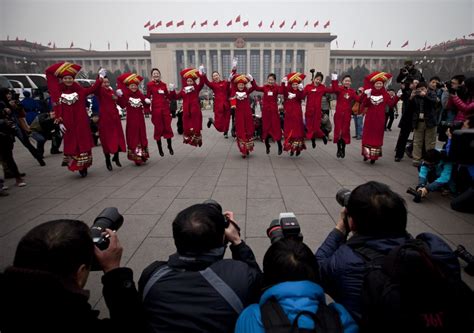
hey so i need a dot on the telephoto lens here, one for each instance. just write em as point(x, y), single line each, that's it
point(342, 196)
point(109, 218)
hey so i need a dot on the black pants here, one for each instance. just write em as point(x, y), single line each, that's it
point(6, 155)
point(463, 202)
point(402, 141)
point(25, 140)
point(389, 117)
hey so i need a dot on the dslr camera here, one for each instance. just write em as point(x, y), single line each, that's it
point(286, 226)
point(214, 204)
point(342, 198)
point(416, 194)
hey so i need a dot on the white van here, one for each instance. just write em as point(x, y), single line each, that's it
point(34, 83)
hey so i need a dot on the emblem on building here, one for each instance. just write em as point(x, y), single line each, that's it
point(239, 43)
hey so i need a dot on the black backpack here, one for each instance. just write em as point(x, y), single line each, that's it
point(408, 291)
point(326, 319)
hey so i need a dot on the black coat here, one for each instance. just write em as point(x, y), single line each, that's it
point(426, 105)
point(35, 301)
point(183, 301)
point(406, 120)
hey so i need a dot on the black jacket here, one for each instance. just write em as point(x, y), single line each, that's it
point(35, 301)
point(414, 73)
point(426, 105)
point(406, 120)
point(183, 301)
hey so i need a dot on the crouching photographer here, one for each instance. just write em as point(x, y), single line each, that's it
point(293, 300)
point(388, 280)
point(197, 290)
point(44, 289)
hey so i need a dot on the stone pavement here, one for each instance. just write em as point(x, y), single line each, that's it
point(256, 189)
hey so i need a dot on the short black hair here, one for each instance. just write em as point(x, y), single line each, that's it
point(215, 72)
point(289, 260)
point(155, 69)
point(198, 229)
point(272, 75)
point(59, 247)
point(470, 121)
point(432, 156)
point(469, 84)
point(460, 78)
point(320, 75)
point(422, 84)
point(377, 211)
point(347, 75)
point(435, 78)
point(391, 89)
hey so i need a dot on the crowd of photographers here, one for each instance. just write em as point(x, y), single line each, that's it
point(439, 111)
point(380, 278)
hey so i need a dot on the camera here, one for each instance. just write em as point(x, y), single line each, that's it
point(342, 198)
point(214, 204)
point(109, 218)
point(416, 194)
point(286, 226)
point(452, 125)
point(462, 253)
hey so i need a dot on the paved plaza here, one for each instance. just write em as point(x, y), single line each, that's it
point(256, 189)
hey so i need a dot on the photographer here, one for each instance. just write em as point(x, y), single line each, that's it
point(292, 297)
point(406, 120)
point(435, 172)
point(377, 218)
point(454, 87)
point(423, 103)
point(409, 70)
point(465, 107)
point(43, 290)
point(43, 128)
point(197, 290)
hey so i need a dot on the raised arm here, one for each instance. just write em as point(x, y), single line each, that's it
point(257, 87)
point(95, 87)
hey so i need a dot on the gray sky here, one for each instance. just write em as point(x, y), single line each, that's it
point(118, 21)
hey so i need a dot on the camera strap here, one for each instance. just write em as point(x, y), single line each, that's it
point(158, 274)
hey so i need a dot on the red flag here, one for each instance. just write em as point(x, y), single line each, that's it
point(271, 25)
point(151, 27)
point(169, 24)
point(49, 44)
point(316, 24)
point(293, 25)
point(216, 23)
point(180, 23)
point(158, 24)
point(260, 24)
point(193, 25)
point(282, 24)
point(246, 23)
point(72, 45)
point(353, 44)
point(306, 24)
point(389, 43)
point(405, 44)
point(237, 20)
point(147, 24)
point(204, 23)
point(471, 35)
point(327, 24)
point(229, 23)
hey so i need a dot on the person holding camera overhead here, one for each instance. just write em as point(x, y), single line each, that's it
point(197, 290)
point(69, 100)
point(43, 291)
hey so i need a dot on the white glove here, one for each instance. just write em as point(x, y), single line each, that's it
point(102, 73)
point(284, 81)
point(399, 93)
point(147, 101)
point(291, 95)
point(171, 87)
point(250, 77)
point(300, 86)
point(202, 69)
point(333, 76)
point(119, 92)
point(368, 92)
point(234, 63)
point(188, 89)
point(62, 128)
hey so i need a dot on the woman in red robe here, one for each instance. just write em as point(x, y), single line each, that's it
point(221, 90)
point(375, 99)
point(110, 125)
point(134, 102)
point(157, 91)
point(192, 115)
point(342, 118)
point(69, 102)
point(244, 125)
point(292, 90)
point(271, 127)
point(314, 93)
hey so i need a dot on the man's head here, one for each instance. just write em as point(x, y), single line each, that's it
point(60, 247)
point(289, 260)
point(432, 157)
point(434, 82)
point(198, 229)
point(391, 92)
point(457, 81)
point(375, 210)
point(347, 81)
point(422, 88)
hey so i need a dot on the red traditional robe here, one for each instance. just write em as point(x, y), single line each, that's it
point(192, 115)
point(110, 124)
point(137, 141)
point(70, 106)
point(374, 124)
point(342, 117)
point(314, 94)
point(221, 92)
point(160, 109)
point(244, 125)
point(293, 127)
point(270, 114)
